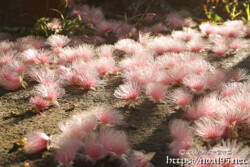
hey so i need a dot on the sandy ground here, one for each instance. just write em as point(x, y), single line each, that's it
point(146, 123)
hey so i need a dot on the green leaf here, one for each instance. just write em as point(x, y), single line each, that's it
point(217, 18)
point(248, 13)
point(227, 8)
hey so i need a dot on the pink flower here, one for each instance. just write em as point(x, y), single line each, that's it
point(229, 89)
point(58, 41)
point(187, 34)
point(237, 44)
point(200, 66)
point(36, 42)
point(6, 46)
point(9, 79)
point(168, 61)
point(39, 102)
point(114, 141)
point(79, 126)
point(215, 78)
point(180, 130)
point(86, 52)
point(220, 49)
point(207, 28)
point(233, 115)
point(105, 51)
point(55, 24)
point(195, 82)
point(43, 57)
point(238, 74)
point(205, 106)
point(180, 97)
point(160, 44)
point(105, 26)
point(17, 66)
point(156, 91)
point(30, 55)
point(104, 65)
point(44, 76)
point(234, 151)
point(179, 73)
point(139, 159)
point(208, 128)
point(109, 116)
point(128, 46)
point(164, 78)
point(35, 142)
point(140, 75)
point(129, 90)
point(175, 19)
point(144, 39)
point(94, 148)
point(50, 92)
point(67, 152)
point(196, 45)
point(7, 58)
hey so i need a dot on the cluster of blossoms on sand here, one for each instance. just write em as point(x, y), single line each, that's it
point(168, 68)
point(89, 136)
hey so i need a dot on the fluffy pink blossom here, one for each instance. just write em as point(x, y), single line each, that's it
point(35, 41)
point(196, 45)
point(44, 76)
point(114, 141)
point(208, 128)
point(6, 46)
point(108, 115)
point(43, 56)
point(187, 34)
point(238, 74)
point(206, 106)
point(200, 66)
point(67, 152)
point(233, 115)
point(220, 49)
point(156, 91)
point(207, 28)
point(50, 92)
point(94, 148)
point(163, 77)
point(9, 79)
point(176, 46)
point(160, 44)
point(141, 75)
point(130, 63)
point(105, 51)
point(30, 55)
point(17, 66)
point(35, 142)
point(55, 24)
point(180, 130)
point(86, 52)
point(6, 58)
point(236, 44)
point(179, 73)
point(128, 46)
point(67, 55)
point(195, 82)
point(229, 89)
point(175, 19)
point(129, 91)
point(168, 61)
point(104, 65)
point(180, 97)
point(144, 39)
point(58, 41)
point(139, 159)
point(39, 102)
point(215, 78)
point(233, 151)
point(105, 26)
point(241, 101)
point(79, 126)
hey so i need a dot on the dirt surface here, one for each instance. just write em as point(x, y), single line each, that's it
point(146, 122)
